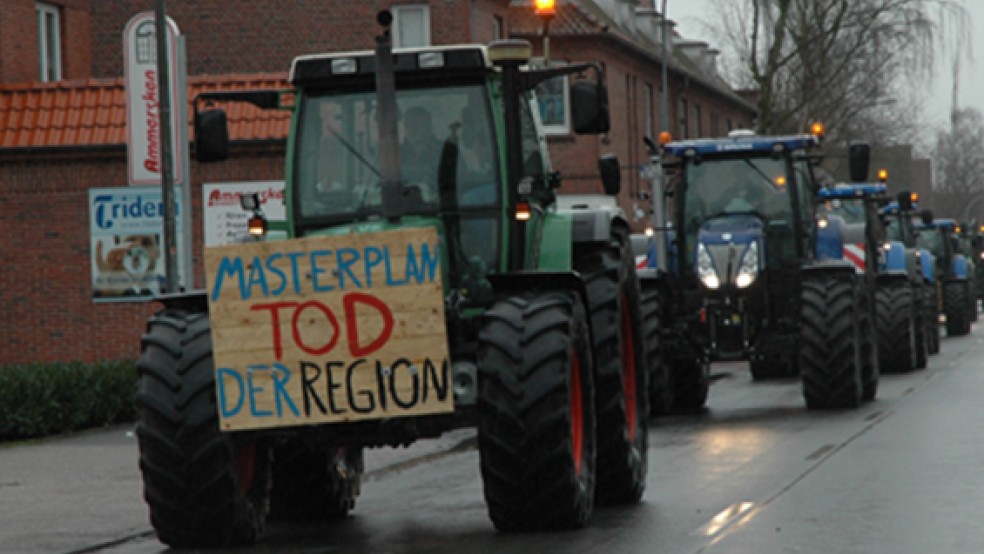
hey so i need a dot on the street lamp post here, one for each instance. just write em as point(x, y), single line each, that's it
point(664, 109)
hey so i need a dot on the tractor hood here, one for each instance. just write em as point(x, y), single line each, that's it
point(730, 229)
point(730, 252)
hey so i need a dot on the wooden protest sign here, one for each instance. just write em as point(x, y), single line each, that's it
point(329, 329)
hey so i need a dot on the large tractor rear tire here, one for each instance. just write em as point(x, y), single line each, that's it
point(896, 327)
point(660, 384)
point(313, 484)
point(536, 424)
point(204, 487)
point(829, 357)
point(621, 375)
point(955, 308)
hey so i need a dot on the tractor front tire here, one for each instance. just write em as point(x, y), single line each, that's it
point(536, 423)
point(314, 484)
point(829, 357)
point(955, 308)
point(660, 384)
point(204, 488)
point(896, 327)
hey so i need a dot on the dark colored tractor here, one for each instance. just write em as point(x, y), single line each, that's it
point(737, 262)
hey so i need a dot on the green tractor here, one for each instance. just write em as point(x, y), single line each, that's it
point(418, 288)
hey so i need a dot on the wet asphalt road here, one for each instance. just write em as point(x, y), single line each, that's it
point(756, 473)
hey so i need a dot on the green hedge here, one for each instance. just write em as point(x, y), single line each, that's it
point(47, 399)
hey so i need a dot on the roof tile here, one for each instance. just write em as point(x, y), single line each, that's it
point(93, 111)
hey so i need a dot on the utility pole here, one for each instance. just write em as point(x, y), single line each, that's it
point(664, 108)
point(167, 156)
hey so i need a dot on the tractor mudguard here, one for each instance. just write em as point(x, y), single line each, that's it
point(830, 239)
point(958, 267)
point(895, 258)
point(195, 301)
point(927, 264)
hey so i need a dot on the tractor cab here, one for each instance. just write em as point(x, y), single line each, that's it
point(731, 195)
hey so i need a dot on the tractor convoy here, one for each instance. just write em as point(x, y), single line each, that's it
point(429, 277)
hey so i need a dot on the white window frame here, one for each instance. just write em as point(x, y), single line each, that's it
point(399, 13)
point(47, 73)
point(549, 126)
point(648, 110)
point(498, 27)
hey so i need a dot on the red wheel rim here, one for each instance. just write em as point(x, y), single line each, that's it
point(628, 369)
point(246, 465)
point(577, 414)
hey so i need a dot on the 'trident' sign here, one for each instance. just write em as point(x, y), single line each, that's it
point(329, 329)
point(142, 101)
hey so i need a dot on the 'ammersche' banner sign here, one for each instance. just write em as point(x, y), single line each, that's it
point(328, 329)
point(143, 123)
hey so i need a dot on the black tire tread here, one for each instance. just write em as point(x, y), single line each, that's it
point(829, 351)
point(190, 480)
point(524, 433)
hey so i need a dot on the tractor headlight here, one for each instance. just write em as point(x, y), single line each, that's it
point(705, 268)
point(748, 270)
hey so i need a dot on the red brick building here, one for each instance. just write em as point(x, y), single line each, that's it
point(62, 123)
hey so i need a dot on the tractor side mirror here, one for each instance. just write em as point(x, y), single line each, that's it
point(926, 216)
point(905, 201)
point(589, 108)
point(211, 136)
point(611, 175)
point(859, 156)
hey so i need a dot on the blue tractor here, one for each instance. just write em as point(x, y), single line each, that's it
point(891, 275)
point(954, 286)
point(897, 217)
point(736, 267)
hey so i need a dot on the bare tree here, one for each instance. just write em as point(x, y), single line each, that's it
point(850, 63)
point(958, 166)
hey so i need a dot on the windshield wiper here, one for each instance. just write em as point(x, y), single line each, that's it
point(353, 150)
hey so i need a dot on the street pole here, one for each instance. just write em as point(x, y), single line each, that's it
point(167, 169)
point(664, 109)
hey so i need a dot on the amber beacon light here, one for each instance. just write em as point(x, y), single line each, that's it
point(546, 8)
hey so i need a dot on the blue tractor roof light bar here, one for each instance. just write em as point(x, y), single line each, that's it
point(857, 190)
point(741, 144)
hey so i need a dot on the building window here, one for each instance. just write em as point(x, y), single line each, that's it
point(647, 108)
point(498, 27)
point(411, 26)
point(682, 114)
point(49, 42)
point(551, 95)
point(698, 131)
